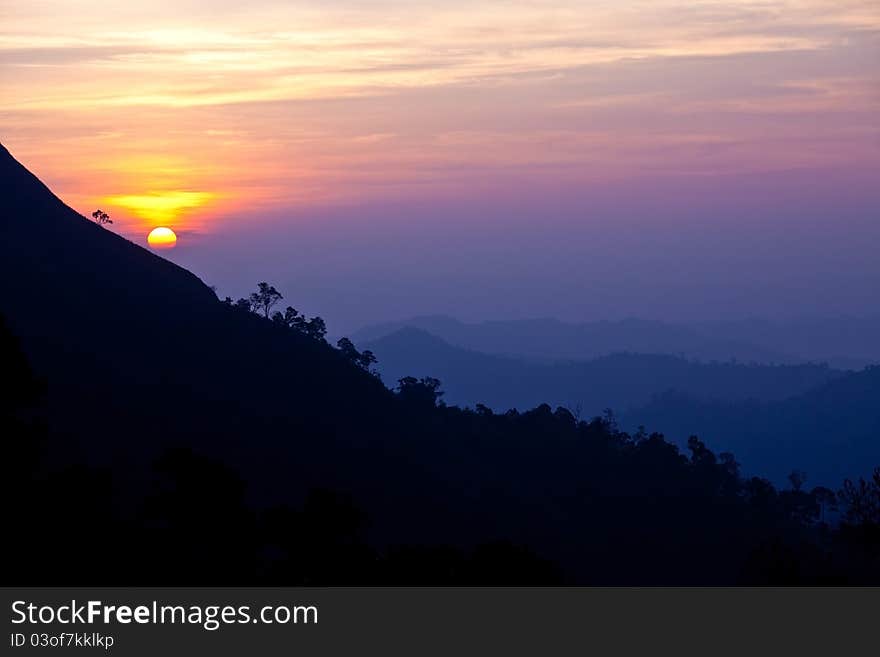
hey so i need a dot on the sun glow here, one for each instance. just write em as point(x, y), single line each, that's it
point(280, 106)
point(162, 238)
point(160, 206)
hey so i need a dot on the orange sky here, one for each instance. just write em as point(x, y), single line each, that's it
point(189, 114)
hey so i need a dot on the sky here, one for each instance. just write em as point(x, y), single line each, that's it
point(375, 160)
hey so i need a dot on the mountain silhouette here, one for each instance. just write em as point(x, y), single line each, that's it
point(618, 381)
point(842, 342)
point(155, 435)
point(140, 356)
point(831, 432)
point(551, 339)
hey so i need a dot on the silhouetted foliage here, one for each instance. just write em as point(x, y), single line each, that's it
point(316, 328)
point(861, 500)
point(365, 360)
point(797, 478)
point(420, 392)
point(264, 299)
point(826, 499)
point(101, 218)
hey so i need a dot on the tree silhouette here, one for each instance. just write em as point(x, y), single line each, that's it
point(826, 499)
point(862, 500)
point(368, 358)
point(265, 298)
point(423, 392)
point(101, 218)
point(797, 478)
point(316, 328)
point(363, 359)
point(290, 318)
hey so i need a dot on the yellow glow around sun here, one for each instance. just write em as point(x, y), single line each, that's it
point(162, 238)
point(160, 206)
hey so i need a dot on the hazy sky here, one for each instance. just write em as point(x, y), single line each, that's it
point(659, 158)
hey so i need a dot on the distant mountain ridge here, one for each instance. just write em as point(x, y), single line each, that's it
point(759, 341)
point(844, 342)
point(618, 381)
point(551, 339)
point(775, 419)
point(830, 432)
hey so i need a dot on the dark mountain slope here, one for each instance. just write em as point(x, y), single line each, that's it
point(830, 433)
point(140, 355)
point(617, 381)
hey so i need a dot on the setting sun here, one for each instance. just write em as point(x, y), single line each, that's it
point(162, 238)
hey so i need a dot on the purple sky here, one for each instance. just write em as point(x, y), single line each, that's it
point(676, 248)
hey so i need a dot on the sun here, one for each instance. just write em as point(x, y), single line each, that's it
point(162, 238)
